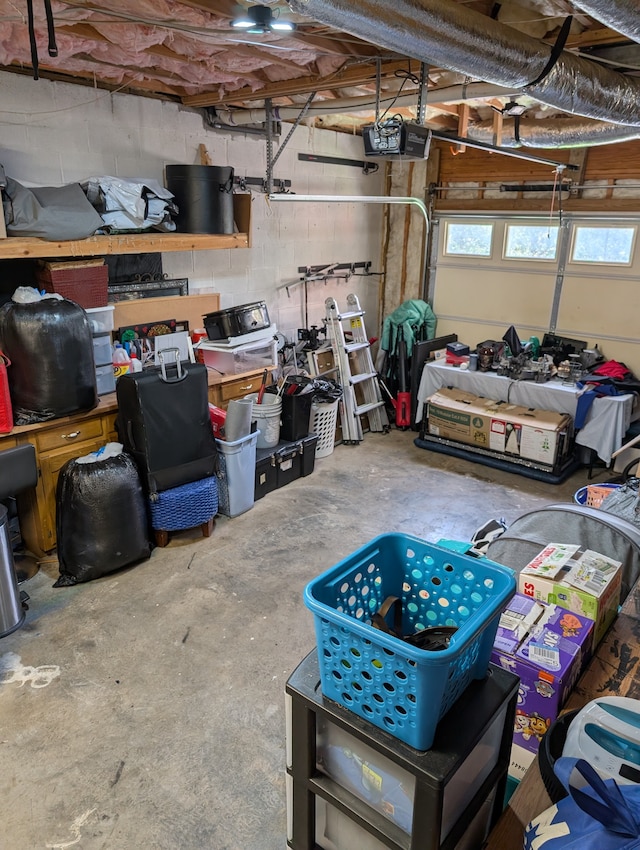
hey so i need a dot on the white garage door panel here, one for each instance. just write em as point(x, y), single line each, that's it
point(600, 307)
point(494, 297)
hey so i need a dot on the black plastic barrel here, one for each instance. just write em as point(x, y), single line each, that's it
point(204, 196)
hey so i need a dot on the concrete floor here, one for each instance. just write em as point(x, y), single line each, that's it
point(146, 709)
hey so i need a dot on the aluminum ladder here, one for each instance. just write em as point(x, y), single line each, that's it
point(356, 372)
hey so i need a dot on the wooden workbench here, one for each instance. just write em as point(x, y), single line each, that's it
point(613, 671)
point(58, 440)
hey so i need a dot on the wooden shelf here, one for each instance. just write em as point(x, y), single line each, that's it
point(20, 248)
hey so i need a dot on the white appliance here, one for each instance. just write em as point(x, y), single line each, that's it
point(606, 732)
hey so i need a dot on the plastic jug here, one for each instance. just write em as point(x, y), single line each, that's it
point(121, 361)
point(135, 365)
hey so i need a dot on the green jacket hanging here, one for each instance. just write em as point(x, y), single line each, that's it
point(417, 320)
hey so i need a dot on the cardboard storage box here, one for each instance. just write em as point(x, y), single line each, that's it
point(547, 647)
point(511, 430)
point(579, 585)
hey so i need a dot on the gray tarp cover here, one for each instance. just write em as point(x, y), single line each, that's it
point(588, 527)
point(49, 212)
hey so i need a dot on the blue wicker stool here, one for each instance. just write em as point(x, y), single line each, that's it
point(187, 506)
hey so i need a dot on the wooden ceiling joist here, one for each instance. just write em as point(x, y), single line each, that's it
point(352, 76)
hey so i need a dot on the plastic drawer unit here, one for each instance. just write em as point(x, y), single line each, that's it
point(350, 784)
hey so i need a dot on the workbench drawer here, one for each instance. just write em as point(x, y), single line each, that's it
point(65, 435)
point(240, 388)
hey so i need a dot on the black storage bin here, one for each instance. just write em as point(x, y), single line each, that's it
point(204, 195)
point(282, 464)
point(266, 473)
point(296, 411)
point(237, 321)
point(309, 444)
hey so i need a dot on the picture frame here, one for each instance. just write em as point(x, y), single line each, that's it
point(147, 289)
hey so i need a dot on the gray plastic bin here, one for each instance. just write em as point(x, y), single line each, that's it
point(236, 476)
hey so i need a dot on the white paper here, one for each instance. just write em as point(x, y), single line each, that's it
point(549, 562)
point(592, 572)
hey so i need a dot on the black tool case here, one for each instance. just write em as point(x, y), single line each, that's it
point(283, 463)
point(163, 422)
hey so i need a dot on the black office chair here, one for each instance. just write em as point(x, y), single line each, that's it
point(18, 472)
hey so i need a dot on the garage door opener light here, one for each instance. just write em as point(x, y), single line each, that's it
point(259, 20)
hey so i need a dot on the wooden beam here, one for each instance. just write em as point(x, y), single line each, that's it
point(579, 157)
point(352, 76)
point(463, 125)
point(595, 37)
point(535, 205)
point(155, 89)
point(18, 247)
point(335, 46)
point(497, 128)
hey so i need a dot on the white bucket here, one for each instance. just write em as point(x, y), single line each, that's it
point(267, 415)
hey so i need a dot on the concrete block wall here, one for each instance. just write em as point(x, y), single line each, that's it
point(57, 133)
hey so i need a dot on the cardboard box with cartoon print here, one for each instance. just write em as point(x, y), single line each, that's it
point(586, 583)
point(547, 647)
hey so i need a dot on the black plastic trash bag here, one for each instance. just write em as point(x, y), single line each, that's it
point(51, 351)
point(325, 390)
point(101, 517)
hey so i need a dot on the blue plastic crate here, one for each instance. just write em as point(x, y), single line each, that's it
point(186, 506)
point(392, 684)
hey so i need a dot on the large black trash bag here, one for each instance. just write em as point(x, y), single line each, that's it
point(51, 351)
point(101, 519)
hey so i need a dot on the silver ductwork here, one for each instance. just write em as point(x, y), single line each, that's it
point(553, 133)
point(619, 15)
point(452, 36)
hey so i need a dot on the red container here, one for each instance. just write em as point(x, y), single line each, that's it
point(218, 417)
point(6, 411)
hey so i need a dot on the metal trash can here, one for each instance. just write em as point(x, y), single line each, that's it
point(12, 610)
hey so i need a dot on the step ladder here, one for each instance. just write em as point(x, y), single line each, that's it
point(355, 370)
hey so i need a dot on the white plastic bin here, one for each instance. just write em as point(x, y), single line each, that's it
point(101, 318)
point(236, 478)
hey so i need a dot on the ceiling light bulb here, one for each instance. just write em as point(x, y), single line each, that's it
point(260, 20)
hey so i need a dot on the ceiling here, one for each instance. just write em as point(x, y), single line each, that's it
point(187, 51)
